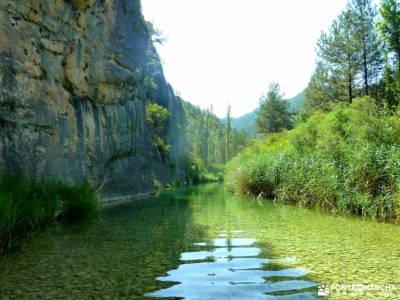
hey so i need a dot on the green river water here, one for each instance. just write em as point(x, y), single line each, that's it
point(203, 243)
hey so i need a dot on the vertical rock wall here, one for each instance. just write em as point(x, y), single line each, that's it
point(73, 84)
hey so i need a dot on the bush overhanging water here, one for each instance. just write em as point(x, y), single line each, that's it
point(344, 160)
point(27, 205)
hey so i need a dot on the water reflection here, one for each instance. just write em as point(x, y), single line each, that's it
point(231, 267)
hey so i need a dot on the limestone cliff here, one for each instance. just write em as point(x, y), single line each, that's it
point(74, 78)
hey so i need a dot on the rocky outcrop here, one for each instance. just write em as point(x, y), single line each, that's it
point(74, 79)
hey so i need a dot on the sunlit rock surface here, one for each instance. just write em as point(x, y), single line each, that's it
point(74, 78)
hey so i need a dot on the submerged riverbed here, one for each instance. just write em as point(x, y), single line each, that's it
point(203, 243)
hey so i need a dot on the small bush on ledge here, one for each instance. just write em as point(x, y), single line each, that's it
point(82, 4)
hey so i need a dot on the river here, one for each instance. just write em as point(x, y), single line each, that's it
point(203, 243)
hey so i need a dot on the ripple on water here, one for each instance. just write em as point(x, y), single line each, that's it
point(231, 267)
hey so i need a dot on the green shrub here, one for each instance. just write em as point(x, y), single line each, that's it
point(28, 205)
point(345, 160)
point(78, 202)
point(82, 4)
point(365, 169)
point(309, 181)
point(157, 118)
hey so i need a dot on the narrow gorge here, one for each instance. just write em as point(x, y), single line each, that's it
point(75, 77)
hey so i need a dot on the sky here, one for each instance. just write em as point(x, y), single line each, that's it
point(220, 52)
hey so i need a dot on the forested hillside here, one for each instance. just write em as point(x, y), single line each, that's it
point(296, 103)
point(247, 122)
point(210, 143)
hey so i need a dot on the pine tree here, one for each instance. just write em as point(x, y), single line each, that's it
point(228, 129)
point(391, 88)
point(273, 114)
point(323, 89)
point(340, 51)
point(364, 21)
point(389, 27)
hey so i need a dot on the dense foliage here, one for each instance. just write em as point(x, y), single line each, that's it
point(344, 152)
point(157, 118)
point(358, 56)
point(27, 205)
point(209, 143)
point(389, 26)
point(344, 160)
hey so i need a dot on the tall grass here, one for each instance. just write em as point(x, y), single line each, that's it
point(345, 160)
point(27, 205)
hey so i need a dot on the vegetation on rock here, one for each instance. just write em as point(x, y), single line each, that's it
point(82, 4)
point(157, 117)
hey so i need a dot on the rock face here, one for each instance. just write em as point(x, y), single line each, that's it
point(74, 79)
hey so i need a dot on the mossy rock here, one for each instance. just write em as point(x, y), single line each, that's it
point(82, 4)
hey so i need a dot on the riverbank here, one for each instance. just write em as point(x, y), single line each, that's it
point(29, 205)
point(110, 201)
point(123, 252)
point(346, 160)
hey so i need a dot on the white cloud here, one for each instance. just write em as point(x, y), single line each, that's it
point(221, 51)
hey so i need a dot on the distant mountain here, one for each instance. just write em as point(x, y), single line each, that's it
point(297, 101)
point(247, 122)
